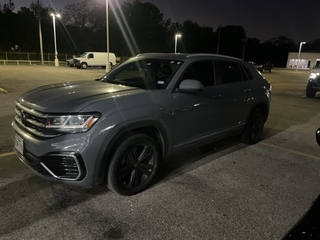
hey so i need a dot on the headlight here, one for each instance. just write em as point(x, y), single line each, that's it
point(71, 123)
point(314, 75)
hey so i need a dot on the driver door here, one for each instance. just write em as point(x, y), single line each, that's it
point(196, 116)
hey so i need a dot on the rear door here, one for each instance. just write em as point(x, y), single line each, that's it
point(236, 92)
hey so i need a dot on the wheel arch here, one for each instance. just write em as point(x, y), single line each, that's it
point(151, 128)
point(263, 107)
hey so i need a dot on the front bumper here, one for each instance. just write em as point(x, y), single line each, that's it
point(60, 166)
point(76, 63)
point(71, 158)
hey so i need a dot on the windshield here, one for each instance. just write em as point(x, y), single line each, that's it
point(146, 73)
point(83, 55)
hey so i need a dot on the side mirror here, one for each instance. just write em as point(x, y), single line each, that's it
point(318, 136)
point(190, 85)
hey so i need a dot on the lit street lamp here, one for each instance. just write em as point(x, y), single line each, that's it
point(175, 42)
point(56, 61)
point(301, 43)
point(107, 31)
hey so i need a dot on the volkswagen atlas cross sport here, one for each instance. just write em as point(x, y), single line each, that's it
point(115, 130)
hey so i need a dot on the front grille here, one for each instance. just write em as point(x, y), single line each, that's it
point(33, 122)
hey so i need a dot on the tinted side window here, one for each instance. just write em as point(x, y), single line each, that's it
point(201, 71)
point(227, 72)
point(247, 75)
point(90, 55)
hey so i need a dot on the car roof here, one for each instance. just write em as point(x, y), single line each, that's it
point(185, 56)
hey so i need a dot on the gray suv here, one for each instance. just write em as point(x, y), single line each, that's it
point(115, 130)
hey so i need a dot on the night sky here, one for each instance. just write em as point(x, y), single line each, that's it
point(262, 19)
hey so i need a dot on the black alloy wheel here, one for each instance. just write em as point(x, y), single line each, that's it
point(133, 165)
point(254, 127)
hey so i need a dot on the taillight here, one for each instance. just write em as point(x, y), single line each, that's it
point(269, 86)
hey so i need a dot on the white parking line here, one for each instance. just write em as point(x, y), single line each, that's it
point(290, 150)
point(3, 90)
point(7, 154)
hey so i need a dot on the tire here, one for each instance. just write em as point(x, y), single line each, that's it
point(310, 92)
point(270, 70)
point(84, 65)
point(133, 165)
point(254, 127)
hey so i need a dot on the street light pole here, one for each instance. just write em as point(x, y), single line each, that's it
point(56, 61)
point(301, 43)
point(219, 36)
point(244, 40)
point(176, 42)
point(107, 32)
point(40, 33)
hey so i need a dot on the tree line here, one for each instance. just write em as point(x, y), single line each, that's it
point(134, 27)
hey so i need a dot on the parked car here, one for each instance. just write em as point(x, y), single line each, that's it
point(94, 59)
point(263, 65)
point(70, 62)
point(313, 85)
point(308, 226)
point(118, 128)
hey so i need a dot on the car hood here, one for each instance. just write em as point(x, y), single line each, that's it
point(72, 96)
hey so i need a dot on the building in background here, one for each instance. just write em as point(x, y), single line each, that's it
point(306, 61)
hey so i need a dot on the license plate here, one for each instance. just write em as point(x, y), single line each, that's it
point(18, 144)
